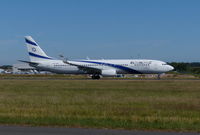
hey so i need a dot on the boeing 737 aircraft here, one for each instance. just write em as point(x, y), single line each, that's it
point(96, 68)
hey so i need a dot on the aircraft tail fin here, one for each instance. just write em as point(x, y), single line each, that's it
point(34, 50)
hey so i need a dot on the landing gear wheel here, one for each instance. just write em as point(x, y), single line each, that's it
point(159, 76)
point(95, 76)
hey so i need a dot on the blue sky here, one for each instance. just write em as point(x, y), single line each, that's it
point(167, 30)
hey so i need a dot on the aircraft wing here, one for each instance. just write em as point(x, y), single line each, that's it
point(84, 68)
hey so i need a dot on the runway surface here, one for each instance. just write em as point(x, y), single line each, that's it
point(18, 130)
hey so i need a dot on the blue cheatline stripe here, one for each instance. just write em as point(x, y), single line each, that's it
point(129, 70)
point(30, 42)
point(38, 56)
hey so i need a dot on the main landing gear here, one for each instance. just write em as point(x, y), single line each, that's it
point(96, 76)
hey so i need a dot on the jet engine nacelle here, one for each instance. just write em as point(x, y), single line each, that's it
point(108, 72)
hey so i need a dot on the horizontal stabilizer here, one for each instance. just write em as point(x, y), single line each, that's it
point(30, 63)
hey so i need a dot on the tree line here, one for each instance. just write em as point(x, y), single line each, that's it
point(183, 67)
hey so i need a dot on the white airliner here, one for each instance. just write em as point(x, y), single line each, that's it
point(96, 68)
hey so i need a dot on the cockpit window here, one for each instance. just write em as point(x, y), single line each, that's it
point(164, 64)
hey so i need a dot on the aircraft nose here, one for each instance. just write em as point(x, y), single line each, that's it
point(170, 68)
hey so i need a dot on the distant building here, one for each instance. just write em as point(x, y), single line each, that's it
point(2, 71)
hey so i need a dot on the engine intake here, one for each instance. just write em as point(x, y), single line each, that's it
point(108, 72)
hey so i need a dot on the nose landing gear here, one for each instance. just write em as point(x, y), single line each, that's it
point(159, 76)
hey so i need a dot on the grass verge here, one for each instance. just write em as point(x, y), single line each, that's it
point(125, 104)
